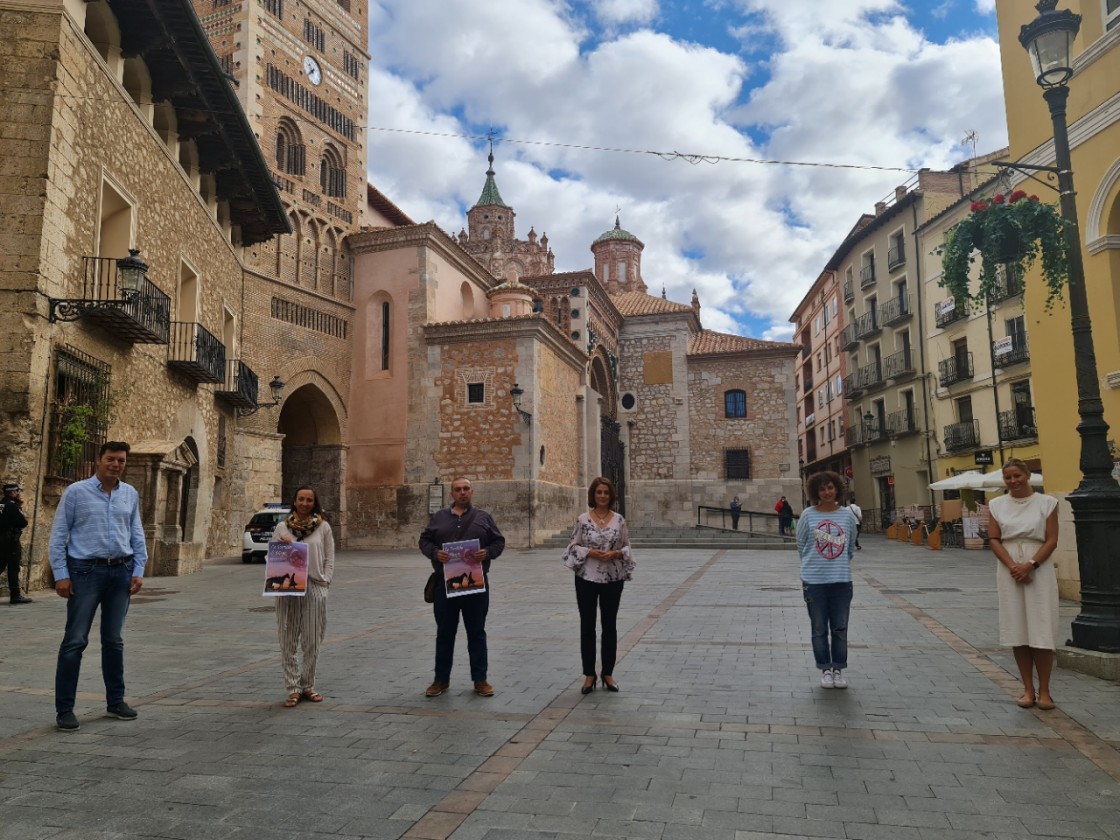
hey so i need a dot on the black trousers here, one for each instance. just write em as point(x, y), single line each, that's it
point(604, 598)
point(10, 555)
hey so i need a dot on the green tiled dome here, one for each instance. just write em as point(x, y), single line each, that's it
point(617, 233)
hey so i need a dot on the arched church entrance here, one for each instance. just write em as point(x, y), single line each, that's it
point(612, 451)
point(312, 450)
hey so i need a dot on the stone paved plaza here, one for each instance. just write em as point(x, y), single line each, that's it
point(721, 731)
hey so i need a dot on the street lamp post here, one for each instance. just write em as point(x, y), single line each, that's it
point(1096, 501)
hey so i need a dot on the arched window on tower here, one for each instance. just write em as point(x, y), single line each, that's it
point(291, 154)
point(332, 173)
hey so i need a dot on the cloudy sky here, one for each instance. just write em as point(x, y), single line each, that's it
point(864, 89)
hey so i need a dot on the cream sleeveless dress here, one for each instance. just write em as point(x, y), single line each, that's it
point(1028, 613)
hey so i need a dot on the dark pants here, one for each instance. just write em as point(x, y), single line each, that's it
point(93, 585)
point(473, 608)
point(735, 519)
point(607, 597)
point(829, 605)
point(785, 525)
point(11, 553)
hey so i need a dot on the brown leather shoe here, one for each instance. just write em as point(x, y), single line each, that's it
point(483, 688)
point(436, 689)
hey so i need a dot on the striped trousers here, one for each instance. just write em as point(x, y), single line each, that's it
point(302, 623)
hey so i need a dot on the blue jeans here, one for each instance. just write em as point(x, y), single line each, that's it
point(93, 585)
point(473, 608)
point(829, 605)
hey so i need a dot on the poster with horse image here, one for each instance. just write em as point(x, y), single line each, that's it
point(462, 574)
point(285, 569)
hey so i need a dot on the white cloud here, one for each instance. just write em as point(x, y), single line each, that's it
point(616, 12)
point(848, 81)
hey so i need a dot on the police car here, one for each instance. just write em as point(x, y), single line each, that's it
point(258, 532)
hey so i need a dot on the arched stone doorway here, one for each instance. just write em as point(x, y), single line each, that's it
point(188, 497)
point(312, 450)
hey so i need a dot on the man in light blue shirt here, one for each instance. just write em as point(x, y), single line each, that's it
point(97, 554)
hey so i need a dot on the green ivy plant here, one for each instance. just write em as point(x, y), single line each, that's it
point(1016, 230)
point(74, 434)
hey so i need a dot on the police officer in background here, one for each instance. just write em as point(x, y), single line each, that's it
point(12, 523)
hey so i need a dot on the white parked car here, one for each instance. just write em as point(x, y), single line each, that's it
point(258, 532)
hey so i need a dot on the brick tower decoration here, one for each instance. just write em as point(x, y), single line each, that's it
point(618, 260)
point(492, 238)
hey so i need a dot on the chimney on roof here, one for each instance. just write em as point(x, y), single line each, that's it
point(900, 193)
point(880, 207)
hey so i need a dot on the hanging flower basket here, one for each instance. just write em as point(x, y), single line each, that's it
point(1013, 231)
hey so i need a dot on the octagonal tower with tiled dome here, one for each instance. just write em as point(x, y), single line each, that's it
point(618, 260)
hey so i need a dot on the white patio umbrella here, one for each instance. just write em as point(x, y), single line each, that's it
point(994, 480)
point(970, 480)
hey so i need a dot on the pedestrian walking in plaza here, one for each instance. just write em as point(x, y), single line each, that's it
point(858, 511)
point(736, 509)
point(825, 540)
point(785, 517)
point(302, 621)
point(599, 553)
point(459, 523)
point(97, 554)
point(1023, 533)
point(12, 523)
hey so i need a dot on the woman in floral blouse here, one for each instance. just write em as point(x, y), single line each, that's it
point(599, 554)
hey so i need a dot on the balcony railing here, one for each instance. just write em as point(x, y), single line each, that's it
point(899, 365)
point(874, 431)
point(808, 386)
point(240, 386)
point(854, 436)
point(862, 327)
point(867, 275)
point(196, 353)
point(947, 311)
point(1011, 352)
point(142, 317)
point(871, 375)
point(849, 291)
point(1007, 285)
point(895, 311)
point(896, 256)
point(955, 369)
point(1018, 424)
point(964, 435)
point(849, 340)
point(901, 423)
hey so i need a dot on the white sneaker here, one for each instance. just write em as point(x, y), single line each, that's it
point(838, 679)
point(827, 680)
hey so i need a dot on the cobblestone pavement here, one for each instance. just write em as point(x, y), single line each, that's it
point(720, 732)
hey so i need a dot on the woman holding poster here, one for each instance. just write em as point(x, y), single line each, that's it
point(599, 554)
point(302, 621)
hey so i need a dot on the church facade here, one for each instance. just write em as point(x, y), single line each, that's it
point(472, 356)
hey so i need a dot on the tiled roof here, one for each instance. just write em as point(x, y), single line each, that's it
point(490, 196)
point(639, 303)
point(707, 342)
point(617, 233)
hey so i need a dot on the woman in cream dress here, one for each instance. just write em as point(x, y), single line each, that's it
point(1022, 534)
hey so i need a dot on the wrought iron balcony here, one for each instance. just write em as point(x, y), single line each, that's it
point(1011, 352)
point(867, 275)
point(142, 316)
point(864, 326)
point(196, 353)
point(895, 311)
point(854, 436)
point(901, 423)
point(240, 386)
point(899, 365)
point(871, 376)
point(848, 339)
point(875, 431)
point(1008, 284)
point(849, 291)
point(1018, 424)
point(853, 385)
point(947, 311)
point(963, 435)
point(896, 256)
point(955, 369)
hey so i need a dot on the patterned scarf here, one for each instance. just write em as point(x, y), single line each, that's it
point(302, 528)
